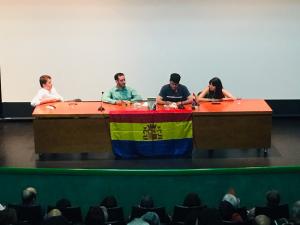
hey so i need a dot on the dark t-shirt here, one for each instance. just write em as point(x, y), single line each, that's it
point(168, 94)
point(212, 94)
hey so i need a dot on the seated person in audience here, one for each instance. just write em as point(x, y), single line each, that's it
point(295, 213)
point(149, 218)
point(7, 215)
point(213, 91)
point(147, 202)
point(29, 196)
point(152, 218)
point(272, 201)
point(174, 92)
point(96, 216)
point(54, 217)
point(273, 198)
point(229, 207)
point(191, 200)
point(47, 93)
point(109, 202)
point(121, 93)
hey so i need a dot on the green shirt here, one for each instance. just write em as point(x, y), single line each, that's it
point(126, 93)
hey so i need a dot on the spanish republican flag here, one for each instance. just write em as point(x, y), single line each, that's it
point(151, 133)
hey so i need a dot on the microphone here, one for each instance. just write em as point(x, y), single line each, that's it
point(194, 103)
point(100, 107)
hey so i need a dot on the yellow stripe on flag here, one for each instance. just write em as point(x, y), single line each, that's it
point(151, 131)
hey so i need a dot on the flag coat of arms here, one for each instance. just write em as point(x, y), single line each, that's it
point(151, 133)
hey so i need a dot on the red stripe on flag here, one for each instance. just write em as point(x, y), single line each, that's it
point(150, 116)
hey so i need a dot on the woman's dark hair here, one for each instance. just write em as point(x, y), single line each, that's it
point(192, 199)
point(219, 87)
point(109, 202)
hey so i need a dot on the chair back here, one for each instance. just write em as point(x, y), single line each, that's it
point(31, 214)
point(274, 213)
point(72, 214)
point(115, 214)
point(180, 212)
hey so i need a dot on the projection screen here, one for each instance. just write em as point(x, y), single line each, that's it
point(252, 45)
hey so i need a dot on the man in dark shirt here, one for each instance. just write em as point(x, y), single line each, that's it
point(174, 92)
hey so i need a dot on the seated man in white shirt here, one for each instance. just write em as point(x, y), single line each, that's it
point(47, 93)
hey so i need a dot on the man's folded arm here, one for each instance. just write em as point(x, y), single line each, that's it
point(107, 97)
point(135, 96)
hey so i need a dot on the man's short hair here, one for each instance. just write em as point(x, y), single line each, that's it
point(117, 75)
point(175, 77)
point(44, 79)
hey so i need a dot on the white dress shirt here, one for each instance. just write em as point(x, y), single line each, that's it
point(45, 94)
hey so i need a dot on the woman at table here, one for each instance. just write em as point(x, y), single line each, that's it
point(214, 91)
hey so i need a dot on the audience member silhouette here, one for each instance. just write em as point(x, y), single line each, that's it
point(29, 196)
point(191, 200)
point(54, 217)
point(229, 207)
point(273, 198)
point(109, 202)
point(295, 213)
point(147, 202)
point(96, 216)
point(152, 218)
point(7, 215)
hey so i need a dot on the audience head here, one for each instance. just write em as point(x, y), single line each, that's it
point(63, 203)
point(109, 202)
point(295, 213)
point(230, 198)
point(273, 198)
point(54, 217)
point(54, 213)
point(96, 216)
point(29, 196)
point(138, 221)
point(192, 199)
point(147, 202)
point(262, 220)
point(226, 210)
point(152, 218)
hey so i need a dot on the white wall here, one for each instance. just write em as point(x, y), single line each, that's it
point(252, 45)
